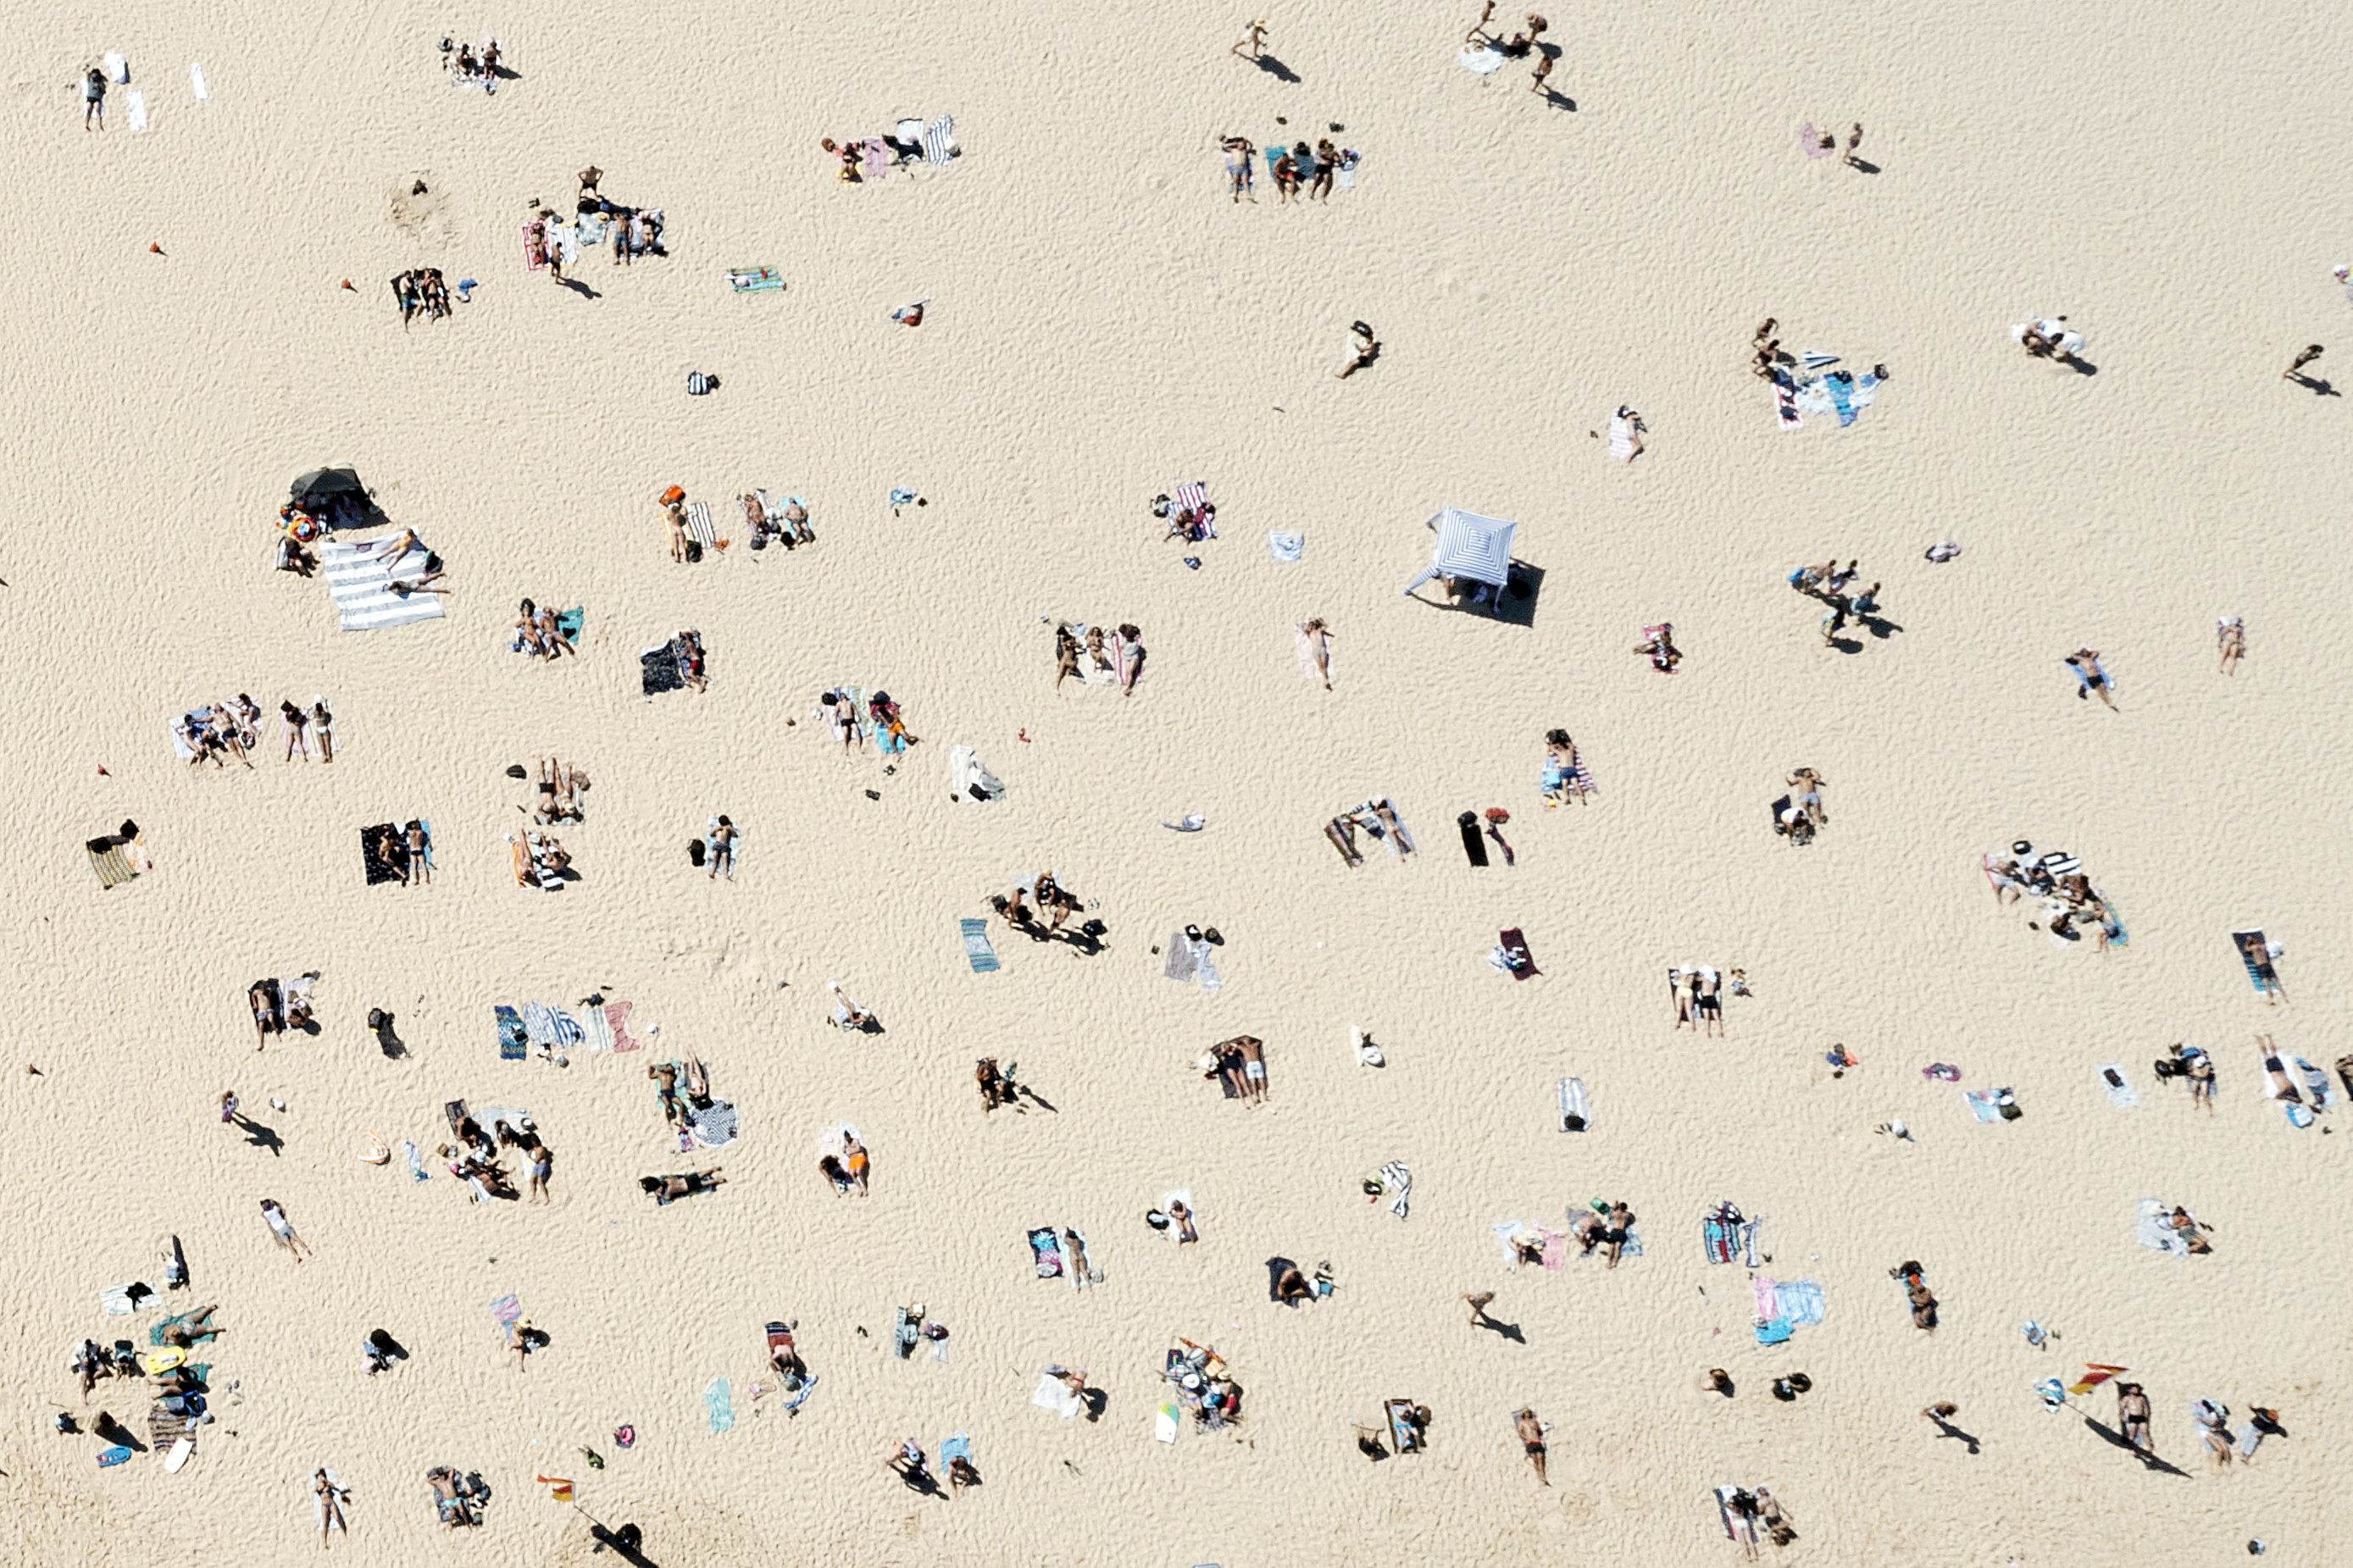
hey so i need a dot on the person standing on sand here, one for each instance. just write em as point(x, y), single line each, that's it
point(93, 99)
point(1853, 141)
point(1531, 1434)
point(2201, 1081)
point(1942, 1413)
point(1477, 36)
point(1479, 1304)
point(1544, 69)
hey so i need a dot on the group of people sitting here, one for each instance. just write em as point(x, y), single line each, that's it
point(560, 784)
point(1602, 1226)
point(2047, 337)
point(233, 729)
point(847, 1169)
point(421, 289)
point(1199, 1378)
point(787, 525)
point(474, 1157)
point(2070, 906)
point(470, 68)
point(544, 634)
point(401, 852)
point(1120, 658)
point(1051, 899)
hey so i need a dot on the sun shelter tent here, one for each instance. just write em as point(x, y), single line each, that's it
point(1470, 548)
point(334, 496)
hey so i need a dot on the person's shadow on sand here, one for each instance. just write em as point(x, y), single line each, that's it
point(259, 1136)
point(2149, 1461)
point(1277, 70)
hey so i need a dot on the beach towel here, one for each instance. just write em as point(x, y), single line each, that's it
point(1074, 1245)
point(514, 1042)
point(609, 1029)
point(1521, 961)
point(878, 158)
point(1207, 967)
point(698, 524)
point(939, 140)
point(755, 279)
point(1574, 1114)
point(718, 1405)
point(1621, 439)
point(1285, 546)
point(417, 1171)
point(2120, 1090)
point(507, 1311)
point(112, 867)
point(657, 669)
point(1397, 1184)
point(1053, 1394)
point(956, 1447)
point(713, 1125)
point(1046, 1252)
point(1983, 1103)
point(1556, 783)
point(1349, 159)
point(1179, 963)
point(2258, 970)
point(969, 780)
point(119, 1300)
point(539, 1025)
point(1794, 1302)
point(1482, 60)
point(196, 80)
point(1785, 402)
point(360, 582)
point(134, 105)
point(976, 948)
point(535, 247)
point(2153, 1228)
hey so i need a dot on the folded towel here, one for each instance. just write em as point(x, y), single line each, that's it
point(197, 80)
point(1285, 546)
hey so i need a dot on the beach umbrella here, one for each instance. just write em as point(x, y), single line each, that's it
point(1468, 546)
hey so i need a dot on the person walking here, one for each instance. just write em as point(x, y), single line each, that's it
point(1853, 141)
point(2294, 371)
point(1253, 43)
point(1479, 1305)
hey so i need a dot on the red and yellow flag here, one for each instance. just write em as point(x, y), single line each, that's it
point(2095, 1373)
point(560, 1488)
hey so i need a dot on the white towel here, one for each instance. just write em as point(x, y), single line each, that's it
point(939, 140)
point(117, 69)
point(1350, 158)
point(196, 79)
point(1284, 546)
point(361, 587)
point(1056, 1395)
point(1397, 1182)
point(134, 106)
point(1621, 439)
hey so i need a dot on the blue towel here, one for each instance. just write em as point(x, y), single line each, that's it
point(956, 1447)
point(1776, 1331)
point(513, 1045)
point(977, 947)
point(722, 1408)
point(1837, 387)
point(1800, 1300)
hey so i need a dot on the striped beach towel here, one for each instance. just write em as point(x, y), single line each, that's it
point(1192, 498)
point(977, 946)
point(698, 524)
point(113, 867)
point(939, 140)
point(362, 586)
point(608, 1028)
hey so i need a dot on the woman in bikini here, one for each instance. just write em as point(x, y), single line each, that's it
point(854, 1162)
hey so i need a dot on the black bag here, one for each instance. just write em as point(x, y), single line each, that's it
point(693, 550)
point(694, 852)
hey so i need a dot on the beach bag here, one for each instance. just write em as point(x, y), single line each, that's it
point(672, 496)
point(694, 851)
point(697, 384)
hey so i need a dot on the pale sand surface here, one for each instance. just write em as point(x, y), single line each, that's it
point(1103, 325)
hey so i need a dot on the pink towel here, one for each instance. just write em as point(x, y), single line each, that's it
point(878, 158)
point(616, 1018)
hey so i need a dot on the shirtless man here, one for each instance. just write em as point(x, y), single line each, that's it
point(2089, 675)
point(1531, 1433)
point(673, 1104)
point(995, 1088)
point(416, 870)
point(1477, 36)
point(1809, 784)
point(2132, 1414)
point(674, 522)
point(1621, 1220)
point(1183, 1216)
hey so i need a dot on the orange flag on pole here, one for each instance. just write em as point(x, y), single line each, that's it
point(2095, 1373)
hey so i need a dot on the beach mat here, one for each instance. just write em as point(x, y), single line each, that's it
point(719, 1404)
point(977, 946)
point(361, 585)
point(1515, 946)
point(657, 670)
point(2121, 1094)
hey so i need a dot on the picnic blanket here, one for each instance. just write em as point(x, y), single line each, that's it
point(361, 585)
point(659, 670)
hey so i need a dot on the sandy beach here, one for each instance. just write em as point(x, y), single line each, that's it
point(1103, 325)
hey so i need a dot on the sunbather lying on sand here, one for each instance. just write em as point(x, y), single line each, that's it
point(275, 1216)
point(669, 1189)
